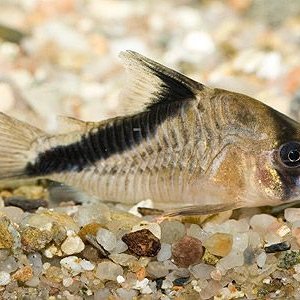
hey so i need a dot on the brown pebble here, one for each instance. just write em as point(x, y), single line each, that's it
point(6, 238)
point(187, 251)
point(23, 274)
point(34, 239)
point(90, 253)
point(142, 243)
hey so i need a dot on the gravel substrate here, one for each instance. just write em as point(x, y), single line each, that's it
point(105, 251)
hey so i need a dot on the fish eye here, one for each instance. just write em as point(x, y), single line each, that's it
point(289, 154)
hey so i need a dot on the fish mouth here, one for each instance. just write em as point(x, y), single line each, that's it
point(291, 186)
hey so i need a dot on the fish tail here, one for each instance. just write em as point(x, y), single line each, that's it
point(16, 147)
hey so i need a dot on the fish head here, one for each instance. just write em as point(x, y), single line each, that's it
point(277, 164)
point(265, 151)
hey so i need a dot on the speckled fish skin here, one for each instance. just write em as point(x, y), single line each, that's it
point(181, 144)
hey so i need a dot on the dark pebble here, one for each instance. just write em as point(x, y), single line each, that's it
point(159, 283)
point(29, 205)
point(181, 281)
point(142, 243)
point(284, 246)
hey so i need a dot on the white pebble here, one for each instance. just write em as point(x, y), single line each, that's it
point(165, 252)
point(167, 284)
point(283, 230)
point(87, 265)
point(240, 241)
point(292, 214)
point(4, 278)
point(67, 281)
point(72, 263)
point(146, 290)
point(120, 247)
point(106, 239)
point(72, 244)
point(261, 259)
point(120, 279)
point(261, 222)
point(140, 284)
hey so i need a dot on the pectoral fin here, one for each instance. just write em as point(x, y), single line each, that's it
point(201, 210)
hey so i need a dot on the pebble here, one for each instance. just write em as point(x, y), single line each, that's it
point(9, 265)
point(35, 260)
point(87, 265)
point(23, 274)
point(261, 259)
point(202, 271)
point(106, 239)
point(120, 247)
point(165, 252)
point(171, 231)
point(284, 246)
point(142, 243)
point(89, 229)
point(197, 232)
point(92, 213)
point(219, 244)
point(72, 244)
point(4, 278)
point(108, 270)
point(67, 281)
point(157, 269)
point(260, 223)
point(123, 259)
point(292, 214)
point(289, 259)
point(187, 251)
point(126, 294)
point(234, 259)
point(34, 239)
point(72, 263)
point(14, 214)
point(6, 238)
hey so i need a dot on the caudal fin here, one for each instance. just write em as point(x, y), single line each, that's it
point(16, 140)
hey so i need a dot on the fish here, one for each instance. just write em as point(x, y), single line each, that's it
point(185, 145)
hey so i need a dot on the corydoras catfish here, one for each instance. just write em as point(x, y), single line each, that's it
point(181, 144)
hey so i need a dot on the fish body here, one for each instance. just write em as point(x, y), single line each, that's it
point(180, 144)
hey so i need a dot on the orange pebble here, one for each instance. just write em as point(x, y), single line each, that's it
point(141, 273)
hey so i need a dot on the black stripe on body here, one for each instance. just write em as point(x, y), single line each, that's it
point(116, 137)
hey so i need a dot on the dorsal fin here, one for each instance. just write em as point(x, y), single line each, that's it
point(150, 83)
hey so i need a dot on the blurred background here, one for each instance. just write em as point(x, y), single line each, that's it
point(60, 57)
